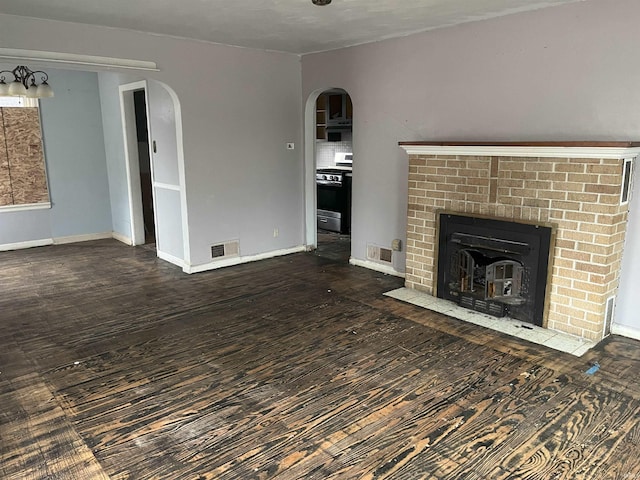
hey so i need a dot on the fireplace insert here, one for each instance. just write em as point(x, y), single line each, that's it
point(493, 266)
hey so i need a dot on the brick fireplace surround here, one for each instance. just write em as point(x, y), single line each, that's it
point(575, 187)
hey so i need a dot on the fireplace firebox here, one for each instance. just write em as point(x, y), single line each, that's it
point(494, 266)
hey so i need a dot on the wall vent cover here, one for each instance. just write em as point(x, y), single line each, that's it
point(385, 255)
point(226, 249)
point(378, 254)
point(217, 250)
point(608, 315)
point(627, 176)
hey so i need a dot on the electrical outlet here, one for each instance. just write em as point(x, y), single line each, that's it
point(276, 232)
point(291, 146)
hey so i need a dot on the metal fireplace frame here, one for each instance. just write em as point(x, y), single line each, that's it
point(472, 222)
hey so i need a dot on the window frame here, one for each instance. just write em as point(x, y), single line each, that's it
point(25, 102)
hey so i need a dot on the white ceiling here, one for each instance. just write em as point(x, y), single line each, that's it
point(295, 26)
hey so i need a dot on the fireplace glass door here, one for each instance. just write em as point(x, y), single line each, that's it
point(494, 266)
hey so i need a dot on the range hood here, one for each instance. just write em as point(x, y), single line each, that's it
point(339, 125)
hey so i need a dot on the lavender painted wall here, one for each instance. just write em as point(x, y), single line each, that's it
point(563, 73)
point(75, 160)
point(239, 109)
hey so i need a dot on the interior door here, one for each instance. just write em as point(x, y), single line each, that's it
point(165, 175)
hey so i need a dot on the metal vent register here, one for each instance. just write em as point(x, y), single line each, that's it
point(227, 249)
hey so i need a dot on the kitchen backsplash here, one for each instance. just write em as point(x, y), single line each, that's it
point(325, 151)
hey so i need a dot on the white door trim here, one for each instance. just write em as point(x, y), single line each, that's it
point(177, 111)
point(136, 218)
point(310, 193)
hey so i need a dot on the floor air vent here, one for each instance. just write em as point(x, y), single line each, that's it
point(225, 250)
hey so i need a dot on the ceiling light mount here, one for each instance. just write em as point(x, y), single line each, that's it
point(321, 2)
point(25, 84)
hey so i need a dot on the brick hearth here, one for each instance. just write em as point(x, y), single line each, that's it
point(574, 187)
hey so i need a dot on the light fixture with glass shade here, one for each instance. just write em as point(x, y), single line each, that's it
point(25, 84)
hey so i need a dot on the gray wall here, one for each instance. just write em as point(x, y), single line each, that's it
point(564, 73)
point(114, 151)
point(628, 306)
point(239, 109)
point(72, 130)
point(76, 169)
point(242, 182)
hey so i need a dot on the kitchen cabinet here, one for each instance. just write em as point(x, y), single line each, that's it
point(339, 106)
point(334, 110)
point(321, 117)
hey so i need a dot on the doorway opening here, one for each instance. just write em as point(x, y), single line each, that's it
point(144, 162)
point(166, 169)
point(135, 125)
point(333, 153)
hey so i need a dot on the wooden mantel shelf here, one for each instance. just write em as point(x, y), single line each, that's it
point(579, 149)
point(531, 144)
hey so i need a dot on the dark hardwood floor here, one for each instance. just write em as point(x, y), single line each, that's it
point(334, 246)
point(115, 364)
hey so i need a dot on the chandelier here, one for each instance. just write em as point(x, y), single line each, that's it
point(25, 83)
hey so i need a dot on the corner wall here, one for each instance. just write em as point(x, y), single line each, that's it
point(561, 73)
point(75, 163)
point(240, 107)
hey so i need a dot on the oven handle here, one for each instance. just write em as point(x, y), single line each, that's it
point(329, 183)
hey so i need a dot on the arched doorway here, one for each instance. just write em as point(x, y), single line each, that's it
point(166, 170)
point(329, 167)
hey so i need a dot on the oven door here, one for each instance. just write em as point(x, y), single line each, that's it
point(331, 198)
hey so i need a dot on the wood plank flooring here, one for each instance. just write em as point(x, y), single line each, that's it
point(115, 364)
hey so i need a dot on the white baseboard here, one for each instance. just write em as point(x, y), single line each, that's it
point(28, 244)
point(171, 259)
point(82, 238)
point(228, 262)
point(376, 266)
point(625, 331)
point(121, 238)
point(64, 240)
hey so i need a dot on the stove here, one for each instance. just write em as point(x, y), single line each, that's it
point(334, 200)
point(329, 176)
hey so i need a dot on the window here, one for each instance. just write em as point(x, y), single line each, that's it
point(23, 180)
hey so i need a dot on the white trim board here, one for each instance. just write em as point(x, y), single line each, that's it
point(64, 240)
point(166, 186)
point(82, 238)
point(76, 59)
point(171, 259)
point(121, 238)
point(523, 151)
point(28, 244)
point(127, 119)
point(625, 331)
point(25, 206)
point(377, 267)
point(229, 262)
